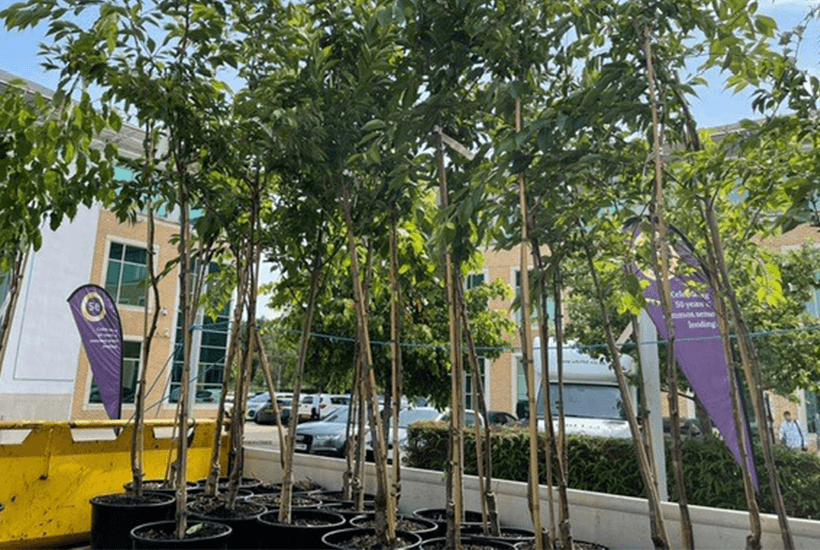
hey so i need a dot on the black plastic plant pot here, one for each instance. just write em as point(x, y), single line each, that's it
point(305, 532)
point(347, 508)
point(114, 515)
point(342, 538)
point(337, 495)
point(242, 520)
point(507, 534)
point(440, 543)
point(439, 517)
point(424, 528)
point(162, 534)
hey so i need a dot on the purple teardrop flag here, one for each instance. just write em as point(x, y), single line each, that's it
point(698, 343)
point(98, 321)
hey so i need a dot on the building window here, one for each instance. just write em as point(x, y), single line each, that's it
point(210, 344)
point(813, 307)
point(473, 280)
point(130, 371)
point(534, 310)
point(126, 274)
point(468, 385)
point(812, 411)
point(520, 380)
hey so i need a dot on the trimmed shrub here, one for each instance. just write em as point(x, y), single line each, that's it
point(605, 465)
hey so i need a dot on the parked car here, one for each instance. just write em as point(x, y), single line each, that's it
point(326, 436)
point(256, 403)
point(407, 417)
point(266, 415)
point(469, 417)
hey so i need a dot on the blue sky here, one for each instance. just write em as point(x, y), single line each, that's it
point(714, 107)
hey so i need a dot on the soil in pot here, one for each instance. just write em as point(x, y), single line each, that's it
point(162, 534)
point(114, 515)
point(158, 486)
point(244, 483)
point(305, 531)
point(347, 508)
point(424, 528)
point(274, 500)
point(338, 495)
point(359, 538)
point(242, 519)
point(467, 543)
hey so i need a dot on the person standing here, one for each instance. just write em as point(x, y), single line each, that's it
point(790, 433)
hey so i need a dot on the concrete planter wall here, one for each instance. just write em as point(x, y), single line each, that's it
point(617, 521)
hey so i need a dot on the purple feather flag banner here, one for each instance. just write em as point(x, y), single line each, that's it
point(698, 343)
point(98, 321)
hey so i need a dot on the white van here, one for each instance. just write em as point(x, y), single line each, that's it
point(592, 400)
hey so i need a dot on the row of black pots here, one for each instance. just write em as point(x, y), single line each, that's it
point(111, 523)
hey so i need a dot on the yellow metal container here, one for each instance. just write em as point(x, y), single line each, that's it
point(46, 481)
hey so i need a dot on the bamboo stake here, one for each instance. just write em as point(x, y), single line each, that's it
point(287, 471)
point(454, 476)
point(660, 261)
point(526, 349)
point(549, 440)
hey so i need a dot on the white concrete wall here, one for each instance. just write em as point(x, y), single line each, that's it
point(615, 521)
point(40, 363)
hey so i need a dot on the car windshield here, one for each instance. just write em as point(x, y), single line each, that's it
point(261, 398)
point(339, 415)
point(409, 416)
point(586, 401)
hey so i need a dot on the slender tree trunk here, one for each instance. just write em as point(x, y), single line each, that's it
point(660, 539)
point(717, 264)
point(350, 477)
point(660, 261)
point(241, 397)
point(385, 506)
point(563, 453)
point(751, 368)
point(263, 358)
point(287, 473)
point(15, 278)
point(526, 350)
point(395, 315)
point(484, 453)
point(753, 539)
point(148, 332)
point(187, 321)
point(211, 485)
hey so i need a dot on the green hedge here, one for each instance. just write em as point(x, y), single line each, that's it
point(606, 465)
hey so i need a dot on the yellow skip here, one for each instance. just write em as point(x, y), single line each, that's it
point(48, 479)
